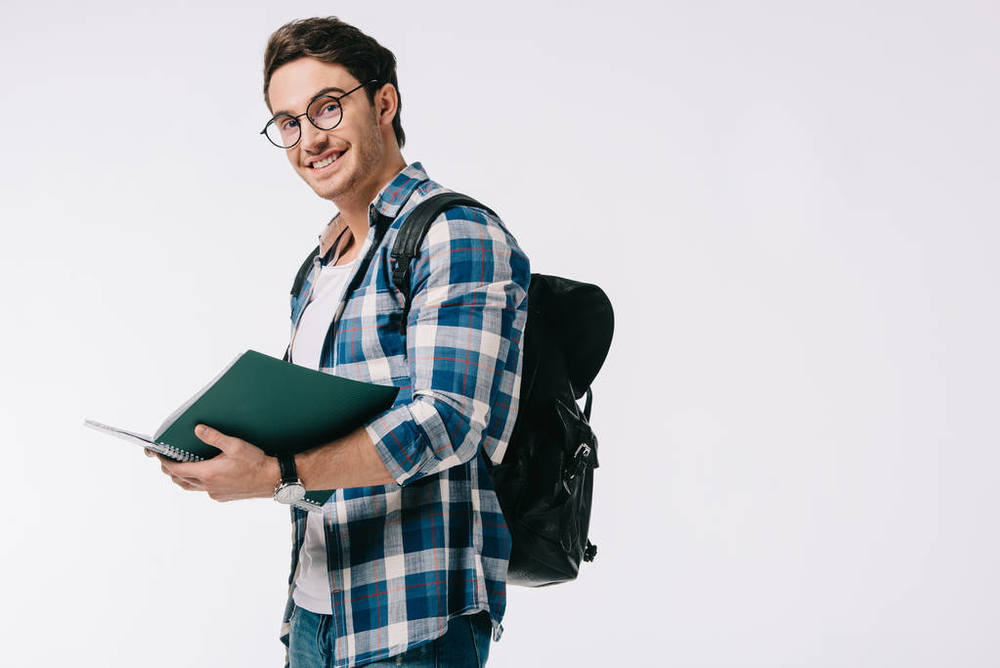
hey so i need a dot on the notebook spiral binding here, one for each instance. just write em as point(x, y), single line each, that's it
point(177, 453)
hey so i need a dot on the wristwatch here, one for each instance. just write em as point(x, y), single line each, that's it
point(289, 489)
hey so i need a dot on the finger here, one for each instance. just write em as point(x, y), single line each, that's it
point(185, 484)
point(162, 457)
point(176, 475)
point(214, 437)
point(190, 470)
point(186, 480)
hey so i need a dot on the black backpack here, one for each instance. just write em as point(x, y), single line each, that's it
point(545, 480)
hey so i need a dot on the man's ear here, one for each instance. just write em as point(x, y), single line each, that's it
point(386, 104)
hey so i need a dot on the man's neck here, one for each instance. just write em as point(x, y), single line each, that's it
point(354, 207)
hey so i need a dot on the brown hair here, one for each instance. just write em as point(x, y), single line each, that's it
point(330, 40)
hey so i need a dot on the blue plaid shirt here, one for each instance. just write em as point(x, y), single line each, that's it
point(405, 557)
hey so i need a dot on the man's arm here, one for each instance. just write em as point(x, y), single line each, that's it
point(244, 471)
point(351, 461)
point(463, 344)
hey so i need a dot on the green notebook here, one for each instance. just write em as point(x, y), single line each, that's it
point(278, 406)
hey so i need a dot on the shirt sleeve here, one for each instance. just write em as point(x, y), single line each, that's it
point(463, 337)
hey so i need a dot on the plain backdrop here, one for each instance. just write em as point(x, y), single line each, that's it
point(792, 205)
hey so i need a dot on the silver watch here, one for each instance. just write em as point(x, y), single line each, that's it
point(289, 489)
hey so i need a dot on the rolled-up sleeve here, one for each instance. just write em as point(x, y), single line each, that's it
point(463, 342)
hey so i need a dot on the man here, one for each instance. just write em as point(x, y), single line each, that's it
point(408, 558)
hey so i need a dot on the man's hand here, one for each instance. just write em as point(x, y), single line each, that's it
point(240, 471)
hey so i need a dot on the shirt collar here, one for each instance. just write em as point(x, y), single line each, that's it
point(393, 196)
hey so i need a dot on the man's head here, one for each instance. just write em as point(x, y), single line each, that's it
point(321, 69)
point(330, 40)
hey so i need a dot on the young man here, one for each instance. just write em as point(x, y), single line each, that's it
point(408, 559)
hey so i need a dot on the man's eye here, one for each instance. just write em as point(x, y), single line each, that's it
point(325, 110)
point(288, 124)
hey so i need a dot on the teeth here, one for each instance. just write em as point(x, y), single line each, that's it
point(323, 163)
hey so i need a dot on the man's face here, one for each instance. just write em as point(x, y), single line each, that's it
point(356, 143)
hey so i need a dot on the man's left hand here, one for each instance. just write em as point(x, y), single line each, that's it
point(240, 471)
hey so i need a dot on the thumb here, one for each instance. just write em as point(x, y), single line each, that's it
point(213, 437)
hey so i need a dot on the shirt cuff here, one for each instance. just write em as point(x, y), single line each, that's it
point(405, 438)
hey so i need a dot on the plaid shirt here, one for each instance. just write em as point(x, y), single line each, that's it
point(405, 557)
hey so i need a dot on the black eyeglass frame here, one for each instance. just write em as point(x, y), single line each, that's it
point(335, 98)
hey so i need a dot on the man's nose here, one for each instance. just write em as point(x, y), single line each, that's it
point(312, 137)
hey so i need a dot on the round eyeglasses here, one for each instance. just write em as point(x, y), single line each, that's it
point(324, 112)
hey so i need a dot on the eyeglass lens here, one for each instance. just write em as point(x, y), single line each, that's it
point(324, 112)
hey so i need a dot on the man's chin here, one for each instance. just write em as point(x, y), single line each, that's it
point(326, 189)
point(327, 192)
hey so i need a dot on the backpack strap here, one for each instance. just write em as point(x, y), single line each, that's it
point(411, 235)
point(300, 277)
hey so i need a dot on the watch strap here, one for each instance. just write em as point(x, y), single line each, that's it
point(288, 472)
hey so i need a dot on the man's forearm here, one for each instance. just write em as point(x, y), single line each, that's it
point(351, 461)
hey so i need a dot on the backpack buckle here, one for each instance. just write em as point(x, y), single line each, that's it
point(580, 460)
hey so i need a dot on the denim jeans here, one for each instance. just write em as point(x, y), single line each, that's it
point(466, 644)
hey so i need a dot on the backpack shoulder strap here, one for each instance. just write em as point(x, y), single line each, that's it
point(413, 230)
point(300, 277)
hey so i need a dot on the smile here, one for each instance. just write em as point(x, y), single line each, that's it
point(320, 164)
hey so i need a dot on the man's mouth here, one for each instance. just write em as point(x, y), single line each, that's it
point(320, 164)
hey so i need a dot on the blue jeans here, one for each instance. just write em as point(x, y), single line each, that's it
point(466, 644)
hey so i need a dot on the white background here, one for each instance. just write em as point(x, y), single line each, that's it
point(793, 207)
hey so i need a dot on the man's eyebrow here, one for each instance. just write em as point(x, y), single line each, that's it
point(321, 91)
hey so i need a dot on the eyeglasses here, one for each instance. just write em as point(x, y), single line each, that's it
point(324, 112)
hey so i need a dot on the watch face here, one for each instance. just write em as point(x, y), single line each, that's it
point(289, 492)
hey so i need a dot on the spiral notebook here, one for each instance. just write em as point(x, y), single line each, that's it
point(280, 407)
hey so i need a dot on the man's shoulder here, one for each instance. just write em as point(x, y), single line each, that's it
point(457, 221)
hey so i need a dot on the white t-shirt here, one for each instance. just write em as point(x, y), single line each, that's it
point(312, 584)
